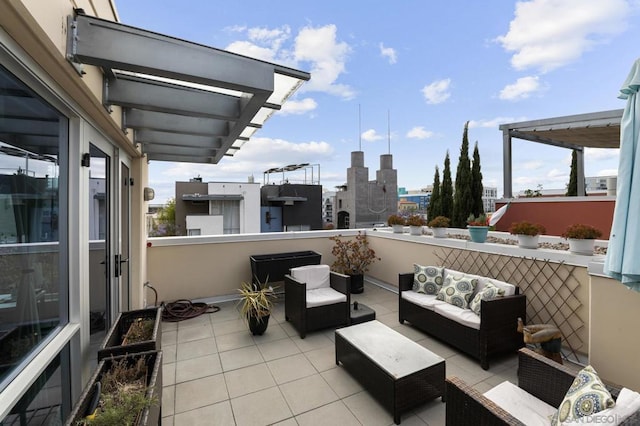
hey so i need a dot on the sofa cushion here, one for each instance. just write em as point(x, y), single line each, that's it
point(509, 289)
point(457, 288)
point(586, 396)
point(463, 316)
point(427, 301)
point(427, 279)
point(628, 403)
point(315, 276)
point(324, 296)
point(487, 293)
point(521, 404)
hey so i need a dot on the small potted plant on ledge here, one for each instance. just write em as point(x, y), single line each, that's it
point(581, 238)
point(396, 222)
point(353, 257)
point(528, 233)
point(439, 225)
point(478, 228)
point(416, 222)
point(256, 301)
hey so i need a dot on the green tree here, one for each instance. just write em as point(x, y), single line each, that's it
point(572, 188)
point(462, 198)
point(435, 204)
point(446, 189)
point(476, 184)
point(165, 223)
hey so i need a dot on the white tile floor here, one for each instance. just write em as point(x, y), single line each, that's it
point(216, 373)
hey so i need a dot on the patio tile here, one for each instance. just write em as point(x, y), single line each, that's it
point(289, 422)
point(260, 408)
point(274, 332)
point(169, 374)
point(169, 353)
point(200, 393)
point(168, 400)
point(291, 368)
point(380, 309)
point(249, 379)
point(322, 359)
point(278, 349)
point(169, 337)
point(167, 421)
point(433, 413)
point(197, 332)
point(313, 341)
point(227, 312)
point(367, 410)
point(231, 326)
point(289, 329)
point(341, 382)
point(411, 419)
point(169, 326)
point(335, 413)
point(195, 349)
point(193, 322)
point(409, 332)
point(195, 368)
point(228, 342)
point(437, 347)
point(239, 358)
point(390, 320)
point(216, 414)
point(307, 393)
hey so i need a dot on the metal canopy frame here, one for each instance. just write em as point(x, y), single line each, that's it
point(593, 130)
point(184, 101)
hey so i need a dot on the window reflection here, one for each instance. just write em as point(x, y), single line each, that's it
point(31, 134)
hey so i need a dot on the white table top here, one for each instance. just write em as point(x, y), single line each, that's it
point(393, 352)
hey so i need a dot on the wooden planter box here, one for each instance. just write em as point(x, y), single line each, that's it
point(112, 344)
point(151, 415)
point(275, 266)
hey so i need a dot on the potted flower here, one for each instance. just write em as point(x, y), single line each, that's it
point(353, 257)
point(581, 238)
point(256, 301)
point(528, 233)
point(416, 222)
point(439, 225)
point(396, 222)
point(478, 228)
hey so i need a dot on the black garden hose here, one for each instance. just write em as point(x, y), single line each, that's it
point(184, 309)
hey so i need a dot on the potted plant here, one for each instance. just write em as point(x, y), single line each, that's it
point(478, 228)
point(256, 301)
point(416, 222)
point(581, 238)
point(439, 225)
point(528, 233)
point(353, 257)
point(125, 389)
point(133, 331)
point(396, 222)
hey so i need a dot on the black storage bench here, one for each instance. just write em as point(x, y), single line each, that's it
point(274, 266)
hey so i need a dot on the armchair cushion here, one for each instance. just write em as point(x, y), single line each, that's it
point(521, 404)
point(315, 276)
point(324, 296)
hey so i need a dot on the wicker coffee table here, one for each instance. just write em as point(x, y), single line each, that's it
point(397, 371)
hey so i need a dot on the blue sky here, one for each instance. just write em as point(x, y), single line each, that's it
point(428, 65)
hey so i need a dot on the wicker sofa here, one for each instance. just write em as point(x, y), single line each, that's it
point(497, 331)
point(540, 377)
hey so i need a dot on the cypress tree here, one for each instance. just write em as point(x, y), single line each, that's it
point(476, 184)
point(462, 199)
point(572, 188)
point(435, 204)
point(446, 190)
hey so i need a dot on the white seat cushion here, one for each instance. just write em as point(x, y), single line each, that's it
point(324, 296)
point(463, 316)
point(427, 301)
point(521, 404)
point(315, 276)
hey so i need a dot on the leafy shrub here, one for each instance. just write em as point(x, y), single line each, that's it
point(580, 231)
point(395, 219)
point(526, 228)
point(439, 222)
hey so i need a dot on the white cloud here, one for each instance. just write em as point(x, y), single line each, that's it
point(607, 172)
point(532, 165)
point(371, 135)
point(494, 123)
point(419, 132)
point(298, 107)
point(389, 53)
point(547, 34)
point(437, 92)
point(327, 56)
point(252, 50)
point(521, 89)
point(599, 154)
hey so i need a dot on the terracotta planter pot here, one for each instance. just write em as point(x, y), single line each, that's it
point(528, 241)
point(584, 247)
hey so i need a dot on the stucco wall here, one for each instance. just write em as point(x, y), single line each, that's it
point(614, 339)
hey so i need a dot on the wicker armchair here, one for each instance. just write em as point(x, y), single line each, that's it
point(306, 318)
point(539, 376)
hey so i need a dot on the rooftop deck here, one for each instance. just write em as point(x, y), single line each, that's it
point(216, 372)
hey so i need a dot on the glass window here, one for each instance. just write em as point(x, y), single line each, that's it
point(32, 135)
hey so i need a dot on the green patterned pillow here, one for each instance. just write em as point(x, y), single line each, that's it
point(427, 279)
point(457, 289)
point(487, 293)
point(586, 396)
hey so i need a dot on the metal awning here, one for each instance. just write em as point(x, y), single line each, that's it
point(212, 197)
point(592, 130)
point(184, 101)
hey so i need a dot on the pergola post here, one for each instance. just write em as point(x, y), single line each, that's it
point(507, 164)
